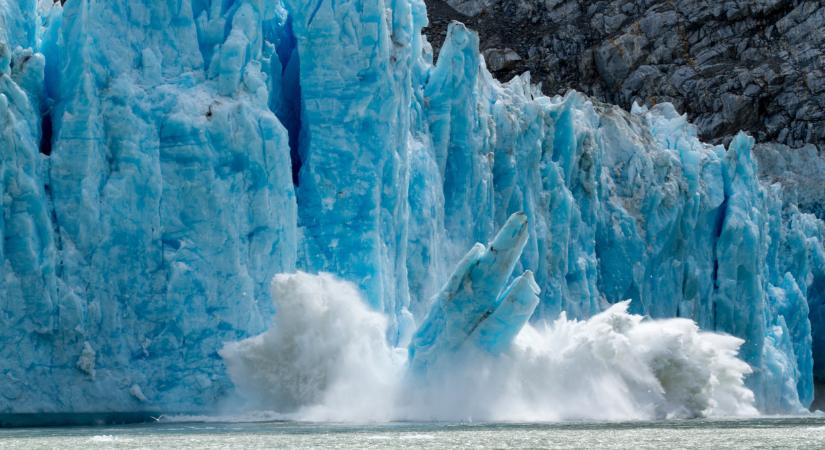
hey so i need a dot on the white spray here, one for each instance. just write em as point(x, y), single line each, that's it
point(325, 357)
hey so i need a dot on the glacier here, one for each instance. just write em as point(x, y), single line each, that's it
point(163, 160)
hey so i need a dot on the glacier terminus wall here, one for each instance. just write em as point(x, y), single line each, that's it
point(162, 160)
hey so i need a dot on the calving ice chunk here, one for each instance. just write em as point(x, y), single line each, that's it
point(153, 181)
point(474, 308)
point(325, 356)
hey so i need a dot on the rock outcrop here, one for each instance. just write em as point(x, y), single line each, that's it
point(732, 65)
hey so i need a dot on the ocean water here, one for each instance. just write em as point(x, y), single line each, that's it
point(779, 433)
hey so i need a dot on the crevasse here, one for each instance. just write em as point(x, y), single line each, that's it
point(195, 148)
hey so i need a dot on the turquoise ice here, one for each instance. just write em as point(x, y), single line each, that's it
point(474, 308)
point(161, 161)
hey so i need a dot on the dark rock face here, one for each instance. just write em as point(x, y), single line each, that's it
point(753, 65)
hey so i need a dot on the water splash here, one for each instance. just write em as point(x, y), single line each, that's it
point(325, 357)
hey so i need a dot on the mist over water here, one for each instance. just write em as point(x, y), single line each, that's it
point(325, 358)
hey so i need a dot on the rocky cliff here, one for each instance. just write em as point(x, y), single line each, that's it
point(730, 65)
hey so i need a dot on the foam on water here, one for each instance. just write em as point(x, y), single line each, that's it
point(326, 357)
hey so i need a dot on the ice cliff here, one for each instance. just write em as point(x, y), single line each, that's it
point(163, 160)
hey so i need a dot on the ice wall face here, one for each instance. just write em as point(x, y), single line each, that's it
point(28, 290)
point(355, 77)
point(161, 214)
point(207, 145)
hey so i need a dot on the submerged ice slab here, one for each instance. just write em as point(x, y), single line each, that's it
point(161, 161)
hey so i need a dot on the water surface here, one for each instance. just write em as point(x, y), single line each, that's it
point(794, 432)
